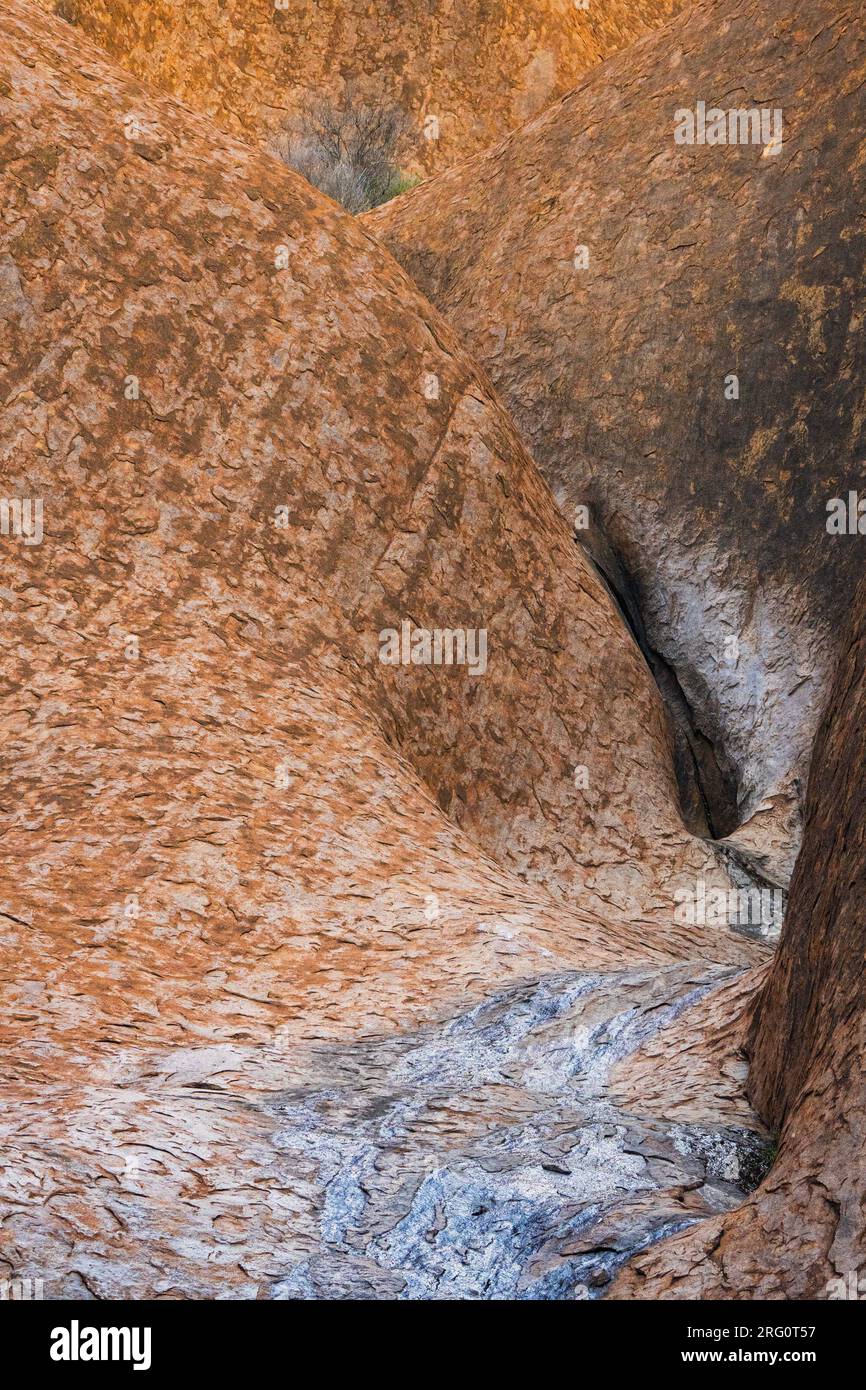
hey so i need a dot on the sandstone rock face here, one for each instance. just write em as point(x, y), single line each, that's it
point(803, 1232)
point(615, 283)
point(251, 335)
point(273, 909)
point(466, 73)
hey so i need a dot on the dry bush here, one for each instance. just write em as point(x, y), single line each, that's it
point(348, 150)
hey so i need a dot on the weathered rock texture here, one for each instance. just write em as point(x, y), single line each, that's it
point(250, 877)
point(803, 1232)
point(708, 514)
point(479, 68)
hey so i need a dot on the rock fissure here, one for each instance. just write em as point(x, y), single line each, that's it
point(329, 975)
point(707, 784)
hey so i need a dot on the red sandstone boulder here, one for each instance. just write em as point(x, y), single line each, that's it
point(675, 328)
point(245, 859)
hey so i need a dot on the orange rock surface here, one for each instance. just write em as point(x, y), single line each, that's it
point(329, 976)
point(479, 69)
point(675, 329)
point(252, 878)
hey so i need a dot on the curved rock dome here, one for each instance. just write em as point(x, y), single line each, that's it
point(674, 321)
point(246, 862)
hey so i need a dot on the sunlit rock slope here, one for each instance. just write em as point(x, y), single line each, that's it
point(257, 885)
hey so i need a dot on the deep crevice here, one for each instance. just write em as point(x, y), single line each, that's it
point(707, 784)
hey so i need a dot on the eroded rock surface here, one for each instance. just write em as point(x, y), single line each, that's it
point(803, 1232)
point(476, 1157)
point(614, 282)
point(252, 377)
point(465, 73)
point(484, 1158)
point(247, 869)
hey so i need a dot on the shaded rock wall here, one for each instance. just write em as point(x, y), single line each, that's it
point(803, 1232)
point(612, 280)
point(478, 68)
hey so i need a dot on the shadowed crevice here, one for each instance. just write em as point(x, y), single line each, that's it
point(706, 779)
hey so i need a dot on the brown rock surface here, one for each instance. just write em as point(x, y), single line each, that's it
point(479, 68)
point(303, 952)
point(695, 1068)
point(708, 514)
point(802, 1234)
point(300, 391)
